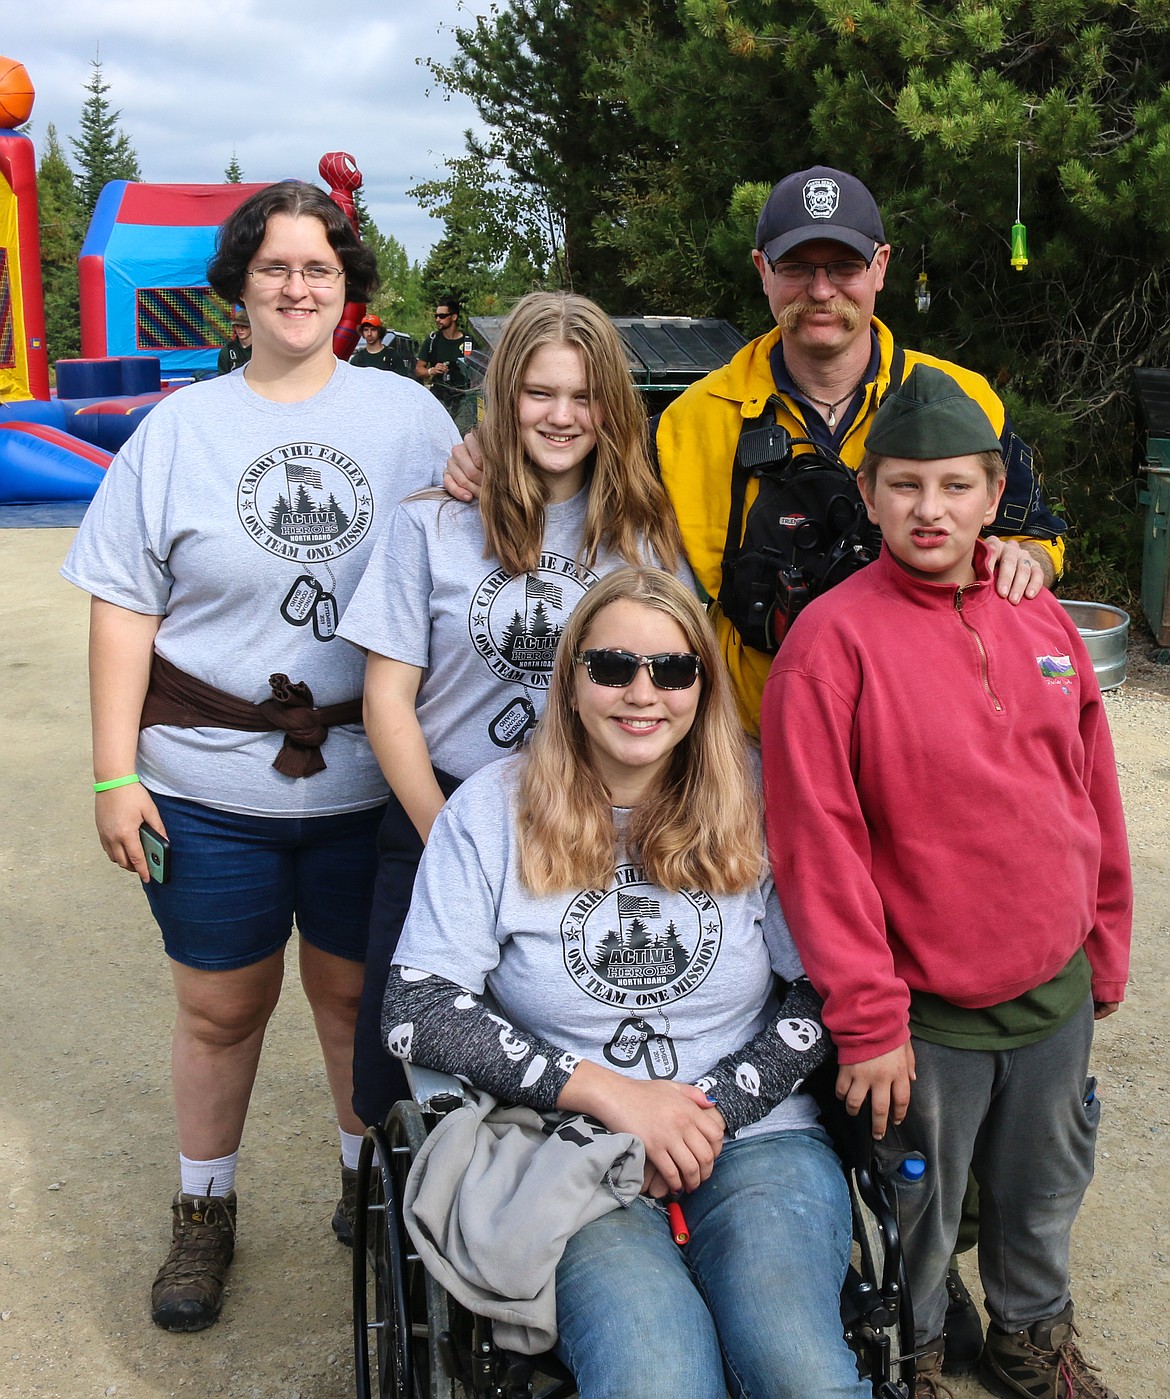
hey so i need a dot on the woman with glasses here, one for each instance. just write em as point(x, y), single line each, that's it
point(462, 605)
point(220, 550)
point(594, 931)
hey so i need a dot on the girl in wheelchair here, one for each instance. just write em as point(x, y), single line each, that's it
point(607, 889)
point(460, 606)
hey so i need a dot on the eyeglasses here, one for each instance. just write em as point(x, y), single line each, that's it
point(443, 315)
point(841, 274)
point(669, 670)
point(276, 274)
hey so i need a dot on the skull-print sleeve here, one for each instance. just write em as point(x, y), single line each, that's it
point(430, 1021)
point(749, 1082)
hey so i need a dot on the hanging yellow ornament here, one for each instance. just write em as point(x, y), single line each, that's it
point(922, 295)
point(1019, 232)
point(1019, 247)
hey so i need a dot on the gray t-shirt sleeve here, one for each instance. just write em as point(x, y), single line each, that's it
point(389, 612)
point(120, 552)
point(452, 927)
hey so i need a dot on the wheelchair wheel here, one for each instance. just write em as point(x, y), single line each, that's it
point(401, 1316)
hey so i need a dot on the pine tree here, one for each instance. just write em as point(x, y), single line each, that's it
point(513, 635)
point(558, 140)
point(103, 151)
point(399, 300)
point(653, 133)
point(61, 231)
point(340, 516)
point(233, 175)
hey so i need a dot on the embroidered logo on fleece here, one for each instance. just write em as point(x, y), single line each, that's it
point(1057, 670)
point(1055, 667)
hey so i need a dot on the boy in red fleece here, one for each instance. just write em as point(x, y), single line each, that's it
point(947, 838)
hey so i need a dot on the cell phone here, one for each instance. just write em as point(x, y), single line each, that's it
point(157, 850)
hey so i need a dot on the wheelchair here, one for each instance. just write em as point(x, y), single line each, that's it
point(413, 1341)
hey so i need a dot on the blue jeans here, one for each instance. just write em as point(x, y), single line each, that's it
point(238, 882)
point(750, 1306)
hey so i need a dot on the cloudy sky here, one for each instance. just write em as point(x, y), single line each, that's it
point(278, 83)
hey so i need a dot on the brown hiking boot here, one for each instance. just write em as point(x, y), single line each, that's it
point(188, 1291)
point(346, 1207)
point(928, 1380)
point(1042, 1362)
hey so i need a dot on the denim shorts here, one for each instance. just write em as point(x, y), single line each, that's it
point(238, 883)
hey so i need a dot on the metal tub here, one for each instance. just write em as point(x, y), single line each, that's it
point(1105, 632)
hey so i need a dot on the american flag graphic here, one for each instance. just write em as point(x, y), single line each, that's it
point(299, 473)
point(546, 592)
point(644, 908)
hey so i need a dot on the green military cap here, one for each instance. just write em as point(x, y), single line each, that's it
point(928, 418)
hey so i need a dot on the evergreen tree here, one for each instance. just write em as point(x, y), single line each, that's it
point(61, 233)
point(513, 635)
point(233, 175)
point(634, 934)
point(535, 71)
point(339, 514)
point(654, 132)
point(400, 299)
point(103, 151)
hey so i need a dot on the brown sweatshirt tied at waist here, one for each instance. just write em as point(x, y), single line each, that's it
point(176, 698)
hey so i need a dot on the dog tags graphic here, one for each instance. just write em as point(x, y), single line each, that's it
point(626, 1045)
point(661, 1059)
point(512, 722)
point(297, 608)
point(325, 617)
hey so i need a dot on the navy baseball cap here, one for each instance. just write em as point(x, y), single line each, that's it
point(819, 203)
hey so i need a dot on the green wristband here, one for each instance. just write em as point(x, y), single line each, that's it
point(115, 782)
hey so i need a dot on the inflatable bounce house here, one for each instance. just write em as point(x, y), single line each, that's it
point(24, 368)
point(143, 275)
point(149, 321)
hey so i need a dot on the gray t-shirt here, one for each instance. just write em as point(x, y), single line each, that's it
point(485, 639)
point(653, 983)
point(246, 524)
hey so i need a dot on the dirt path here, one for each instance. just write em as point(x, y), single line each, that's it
point(86, 1148)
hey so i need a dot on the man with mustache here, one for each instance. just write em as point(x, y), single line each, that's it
point(821, 254)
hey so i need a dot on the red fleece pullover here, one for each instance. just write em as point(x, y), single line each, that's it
point(942, 801)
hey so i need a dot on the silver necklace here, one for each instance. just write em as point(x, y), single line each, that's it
point(831, 420)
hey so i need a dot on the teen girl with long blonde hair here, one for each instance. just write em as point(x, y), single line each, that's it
point(462, 605)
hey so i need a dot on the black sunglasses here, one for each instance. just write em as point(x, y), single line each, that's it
point(669, 670)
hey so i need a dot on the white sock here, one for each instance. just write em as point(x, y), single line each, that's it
point(206, 1178)
point(351, 1144)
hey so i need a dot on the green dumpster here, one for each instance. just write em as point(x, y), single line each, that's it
point(665, 353)
point(1152, 387)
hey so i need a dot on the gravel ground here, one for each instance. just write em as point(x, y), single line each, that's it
point(86, 1147)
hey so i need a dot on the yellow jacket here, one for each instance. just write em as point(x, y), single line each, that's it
point(696, 442)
